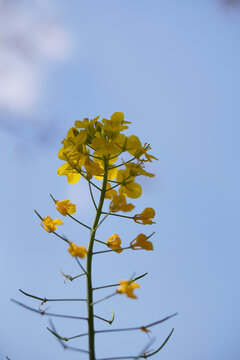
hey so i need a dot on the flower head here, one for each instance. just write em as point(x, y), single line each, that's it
point(145, 218)
point(114, 242)
point(49, 224)
point(127, 287)
point(65, 207)
point(141, 241)
point(76, 250)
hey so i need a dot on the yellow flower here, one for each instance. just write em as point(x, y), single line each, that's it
point(103, 147)
point(65, 207)
point(93, 168)
point(127, 287)
point(135, 148)
point(141, 241)
point(145, 217)
point(49, 224)
point(72, 175)
point(131, 190)
point(87, 125)
point(76, 250)
point(125, 175)
point(128, 187)
point(119, 203)
point(114, 242)
point(115, 125)
point(137, 169)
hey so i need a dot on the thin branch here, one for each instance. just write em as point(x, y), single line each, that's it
point(160, 348)
point(69, 277)
point(130, 329)
point(105, 298)
point(137, 327)
point(106, 251)
point(75, 277)
point(108, 321)
point(126, 162)
point(91, 193)
point(44, 300)
point(101, 242)
point(94, 156)
point(61, 342)
point(160, 321)
point(120, 183)
point(81, 266)
point(113, 157)
point(79, 222)
point(123, 216)
point(77, 336)
point(47, 313)
point(145, 349)
point(100, 222)
point(107, 286)
point(54, 332)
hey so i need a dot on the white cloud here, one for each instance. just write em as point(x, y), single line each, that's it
point(29, 41)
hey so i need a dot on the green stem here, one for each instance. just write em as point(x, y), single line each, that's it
point(89, 266)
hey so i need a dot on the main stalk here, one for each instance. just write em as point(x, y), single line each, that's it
point(91, 333)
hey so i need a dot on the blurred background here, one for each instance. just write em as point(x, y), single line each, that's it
point(173, 68)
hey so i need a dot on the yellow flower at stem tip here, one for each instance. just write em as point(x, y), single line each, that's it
point(65, 207)
point(114, 242)
point(49, 224)
point(141, 241)
point(145, 217)
point(115, 125)
point(127, 287)
point(76, 250)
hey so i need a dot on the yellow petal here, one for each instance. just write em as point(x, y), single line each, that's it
point(62, 170)
point(117, 116)
point(73, 178)
point(132, 190)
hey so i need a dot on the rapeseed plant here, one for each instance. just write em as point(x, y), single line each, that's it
point(94, 149)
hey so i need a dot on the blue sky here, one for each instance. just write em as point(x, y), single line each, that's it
point(173, 68)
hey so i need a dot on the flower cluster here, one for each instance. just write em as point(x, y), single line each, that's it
point(89, 142)
point(92, 148)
